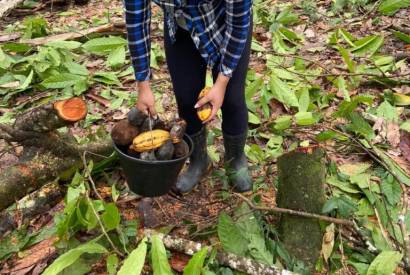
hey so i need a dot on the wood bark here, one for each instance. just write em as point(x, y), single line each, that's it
point(8, 5)
point(24, 210)
point(301, 187)
point(238, 263)
point(47, 153)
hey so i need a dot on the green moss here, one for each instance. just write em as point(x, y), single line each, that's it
point(301, 187)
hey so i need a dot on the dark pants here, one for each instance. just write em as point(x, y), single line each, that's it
point(188, 73)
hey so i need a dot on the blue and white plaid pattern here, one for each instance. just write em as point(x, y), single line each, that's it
point(219, 29)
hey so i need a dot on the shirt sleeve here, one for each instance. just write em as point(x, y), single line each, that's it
point(138, 21)
point(237, 20)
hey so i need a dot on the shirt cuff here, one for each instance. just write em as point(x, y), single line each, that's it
point(225, 70)
point(143, 76)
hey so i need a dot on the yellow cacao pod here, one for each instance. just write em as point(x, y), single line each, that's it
point(204, 112)
point(150, 140)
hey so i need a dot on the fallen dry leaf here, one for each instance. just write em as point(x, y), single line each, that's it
point(178, 261)
point(405, 144)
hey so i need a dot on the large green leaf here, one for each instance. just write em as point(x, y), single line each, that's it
point(116, 57)
point(159, 258)
point(405, 126)
point(282, 92)
point(111, 216)
point(391, 189)
point(109, 78)
point(71, 256)
point(390, 7)
point(402, 36)
point(385, 263)
point(69, 45)
point(61, 81)
point(230, 236)
point(370, 45)
point(104, 45)
point(135, 261)
point(196, 263)
point(398, 172)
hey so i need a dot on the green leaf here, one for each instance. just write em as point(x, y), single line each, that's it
point(252, 88)
point(326, 135)
point(109, 78)
point(112, 264)
point(388, 112)
point(116, 57)
point(391, 189)
point(405, 126)
point(402, 36)
point(398, 172)
point(304, 100)
point(27, 81)
point(360, 126)
point(69, 45)
point(159, 258)
point(61, 81)
point(253, 119)
point(196, 263)
point(135, 261)
point(385, 263)
point(286, 16)
point(390, 7)
point(114, 193)
point(342, 86)
point(401, 99)
point(111, 216)
point(230, 236)
point(104, 45)
point(256, 46)
point(344, 186)
point(347, 36)
point(282, 92)
point(351, 65)
point(370, 45)
point(16, 47)
point(305, 118)
point(283, 122)
point(346, 107)
point(71, 256)
point(76, 68)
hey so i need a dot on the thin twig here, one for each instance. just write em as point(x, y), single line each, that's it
point(294, 212)
point(102, 226)
point(90, 178)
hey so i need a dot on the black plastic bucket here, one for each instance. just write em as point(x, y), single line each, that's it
point(151, 178)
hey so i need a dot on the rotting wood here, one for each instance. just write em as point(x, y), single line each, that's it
point(238, 263)
point(47, 153)
point(40, 201)
point(7, 5)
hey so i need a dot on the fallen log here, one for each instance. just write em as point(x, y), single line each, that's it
point(47, 153)
point(301, 175)
point(115, 27)
point(238, 263)
point(8, 5)
point(28, 207)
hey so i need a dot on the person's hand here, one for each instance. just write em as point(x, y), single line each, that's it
point(215, 96)
point(146, 99)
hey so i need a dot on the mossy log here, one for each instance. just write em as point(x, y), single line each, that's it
point(301, 187)
point(24, 210)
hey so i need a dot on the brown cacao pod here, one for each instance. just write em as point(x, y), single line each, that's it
point(178, 130)
point(146, 124)
point(166, 151)
point(150, 140)
point(204, 112)
point(123, 133)
point(136, 117)
point(181, 149)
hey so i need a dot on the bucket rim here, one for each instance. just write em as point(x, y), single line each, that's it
point(191, 148)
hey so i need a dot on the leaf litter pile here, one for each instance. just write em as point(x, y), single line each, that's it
point(330, 73)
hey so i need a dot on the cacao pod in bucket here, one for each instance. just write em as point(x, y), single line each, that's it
point(151, 178)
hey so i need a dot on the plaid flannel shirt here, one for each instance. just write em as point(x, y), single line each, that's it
point(219, 29)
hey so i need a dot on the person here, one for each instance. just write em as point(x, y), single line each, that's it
point(199, 34)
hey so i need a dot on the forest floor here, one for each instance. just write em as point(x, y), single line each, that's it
point(313, 65)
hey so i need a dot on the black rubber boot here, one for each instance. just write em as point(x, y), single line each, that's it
point(236, 162)
point(199, 163)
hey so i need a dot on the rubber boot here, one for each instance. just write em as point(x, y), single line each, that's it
point(236, 162)
point(199, 163)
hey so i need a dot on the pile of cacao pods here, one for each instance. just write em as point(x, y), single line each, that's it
point(150, 138)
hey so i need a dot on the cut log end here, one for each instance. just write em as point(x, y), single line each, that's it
point(72, 110)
